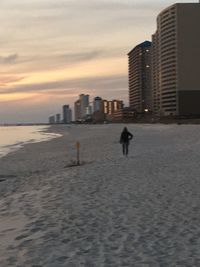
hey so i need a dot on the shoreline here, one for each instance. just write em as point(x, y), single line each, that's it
point(28, 146)
point(46, 134)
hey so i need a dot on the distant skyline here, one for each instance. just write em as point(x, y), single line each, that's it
point(53, 50)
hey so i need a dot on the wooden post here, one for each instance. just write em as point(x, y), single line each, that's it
point(78, 153)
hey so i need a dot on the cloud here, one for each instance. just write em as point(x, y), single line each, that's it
point(103, 83)
point(61, 4)
point(10, 59)
point(53, 26)
point(69, 58)
point(37, 63)
point(5, 80)
point(81, 56)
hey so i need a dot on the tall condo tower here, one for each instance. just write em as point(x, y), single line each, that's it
point(67, 114)
point(84, 104)
point(140, 93)
point(98, 104)
point(77, 110)
point(176, 60)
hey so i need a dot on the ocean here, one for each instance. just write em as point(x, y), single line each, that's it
point(14, 137)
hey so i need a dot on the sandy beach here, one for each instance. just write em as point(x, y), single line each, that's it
point(142, 210)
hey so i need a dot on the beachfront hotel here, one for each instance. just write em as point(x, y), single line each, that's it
point(67, 114)
point(175, 61)
point(84, 104)
point(140, 92)
point(82, 108)
point(77, 110)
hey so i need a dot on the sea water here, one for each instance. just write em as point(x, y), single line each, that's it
point(14, 137)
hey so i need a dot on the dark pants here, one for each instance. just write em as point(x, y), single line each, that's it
point(125, 148)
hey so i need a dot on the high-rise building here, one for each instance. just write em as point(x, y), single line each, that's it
point(77, 110)
point(117, 105)
point(98, 110)
point(140, 92)
point(58, 118)
point(67, 114)
point(98, 104)
point(51, 119)
point(82, 109)
point(105, 106)
point(111, 106)
point(155, 75)
point(84, 104)
point(88, 111)
point(175, 61)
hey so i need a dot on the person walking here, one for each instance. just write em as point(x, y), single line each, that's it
point(125, 137)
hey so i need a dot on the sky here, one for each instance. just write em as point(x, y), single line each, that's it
point(53, 50)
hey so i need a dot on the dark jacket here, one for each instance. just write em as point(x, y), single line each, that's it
point(126, 136)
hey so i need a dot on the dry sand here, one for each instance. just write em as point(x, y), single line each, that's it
point(114, 211)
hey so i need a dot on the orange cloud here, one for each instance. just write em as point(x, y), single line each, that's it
point(94, 68)
point(17, 96)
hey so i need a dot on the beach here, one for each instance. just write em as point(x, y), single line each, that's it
point(141, 210)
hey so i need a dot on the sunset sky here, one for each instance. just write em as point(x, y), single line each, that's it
point(53, 50)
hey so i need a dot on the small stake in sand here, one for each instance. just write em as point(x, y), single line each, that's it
point(78, 152)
